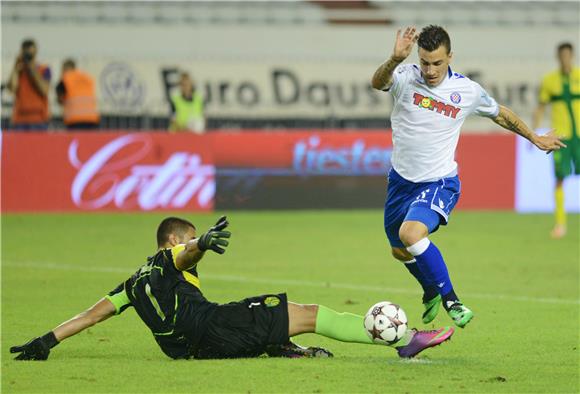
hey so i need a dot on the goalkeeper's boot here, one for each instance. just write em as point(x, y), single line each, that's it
point(431, 309)
point(460, 314)
point(422, 340)
point(292, 350)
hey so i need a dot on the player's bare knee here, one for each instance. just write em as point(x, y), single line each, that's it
point(410, 234)
point(303, 311)
point(310, 311)
point(407, 236)
point(302, 317)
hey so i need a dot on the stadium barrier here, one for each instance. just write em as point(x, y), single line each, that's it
point(116, 171)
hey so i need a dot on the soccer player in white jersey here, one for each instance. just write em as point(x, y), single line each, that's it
point(431, 103)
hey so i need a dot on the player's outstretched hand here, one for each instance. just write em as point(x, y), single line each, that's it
point(549, 142)
point(35, 349)
point(220, 224)
point(404, 43)
point(215, 238)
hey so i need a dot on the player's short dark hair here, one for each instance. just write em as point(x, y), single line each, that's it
point(565, 45)
point(27, 43)
point(172, 225)
point(432, 37)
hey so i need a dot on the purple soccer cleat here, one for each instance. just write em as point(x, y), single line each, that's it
point(423, 340)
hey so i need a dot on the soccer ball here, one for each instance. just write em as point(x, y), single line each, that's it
point(385, 323)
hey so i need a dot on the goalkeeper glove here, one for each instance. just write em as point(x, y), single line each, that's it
point(36, 349)
point(214, 238)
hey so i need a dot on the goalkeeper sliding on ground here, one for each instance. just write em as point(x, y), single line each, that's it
point(166, 295)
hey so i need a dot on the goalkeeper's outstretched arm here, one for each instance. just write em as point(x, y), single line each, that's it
point(102, 310)
point(39, 348)
point(215, 239)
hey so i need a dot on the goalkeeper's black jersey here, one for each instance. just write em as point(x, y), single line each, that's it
point(168, 301)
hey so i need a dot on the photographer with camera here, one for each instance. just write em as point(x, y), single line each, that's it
point(29, 82)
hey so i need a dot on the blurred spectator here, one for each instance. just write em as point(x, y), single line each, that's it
point(561, 90)
point(187, 107)
point(29, 82)
point(76, 93)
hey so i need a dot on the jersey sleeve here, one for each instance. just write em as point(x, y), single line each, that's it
point(401, 76)
point(119, 299)
point(484, 104)
point(190, 275)
point(175, 251)
point(545, 95)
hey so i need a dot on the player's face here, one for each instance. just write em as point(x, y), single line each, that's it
point(186, 85)
point(434, 64)
point(565, 57)
point(188, 236)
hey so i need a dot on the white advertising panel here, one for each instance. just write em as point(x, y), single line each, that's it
point(535, 181)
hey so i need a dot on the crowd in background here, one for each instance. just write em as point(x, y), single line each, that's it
point(30, 82)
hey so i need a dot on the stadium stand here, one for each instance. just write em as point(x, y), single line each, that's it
point(275, 35)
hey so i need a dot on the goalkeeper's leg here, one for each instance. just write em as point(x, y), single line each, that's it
point(348, 327)
point(345, 327)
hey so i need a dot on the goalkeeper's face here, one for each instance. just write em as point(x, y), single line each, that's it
point(434, 64)
point(176, 238)
point(187, 236)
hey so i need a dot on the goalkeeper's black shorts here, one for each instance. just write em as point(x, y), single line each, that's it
point(245, 328)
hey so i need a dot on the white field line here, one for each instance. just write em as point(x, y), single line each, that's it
point(288, 282)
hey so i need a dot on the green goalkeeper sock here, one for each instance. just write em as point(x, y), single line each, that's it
point(347, 327)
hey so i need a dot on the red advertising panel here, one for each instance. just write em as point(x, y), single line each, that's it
point(336, 169)
point(486, 164)
point(235, 170)
point(106, 171)
point(487, 171)
point(300, 149)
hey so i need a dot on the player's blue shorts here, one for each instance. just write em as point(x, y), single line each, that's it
point(430, 203)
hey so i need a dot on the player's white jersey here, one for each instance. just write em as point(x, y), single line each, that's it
point(426, 121)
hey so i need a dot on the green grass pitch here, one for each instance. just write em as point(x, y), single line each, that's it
point(522, 286)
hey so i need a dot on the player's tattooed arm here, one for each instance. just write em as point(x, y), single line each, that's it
point(507, 119)
point(510, 121)
point(383, 77)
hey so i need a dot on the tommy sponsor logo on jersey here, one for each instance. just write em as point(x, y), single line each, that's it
point(433, 105)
